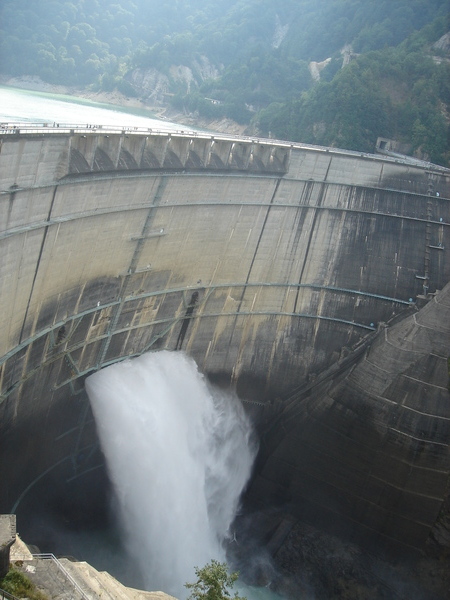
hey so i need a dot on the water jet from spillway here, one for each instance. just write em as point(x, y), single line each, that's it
point(179, 454)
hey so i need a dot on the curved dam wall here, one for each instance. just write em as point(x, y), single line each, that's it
point(267, 262)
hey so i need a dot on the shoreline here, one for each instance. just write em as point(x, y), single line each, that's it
point(35, 84)
point(116, 98)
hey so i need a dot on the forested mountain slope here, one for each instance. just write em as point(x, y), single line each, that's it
point(333, 72)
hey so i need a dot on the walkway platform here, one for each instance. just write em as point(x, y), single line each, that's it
point(63, 579)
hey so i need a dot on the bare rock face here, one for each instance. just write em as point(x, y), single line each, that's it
point(7, 538)
point(443, 43)
point(279, 33)
point(183, 75)
point(316, 67)
point(153, 85)
point(311, 561)
point(150, 84)
point(205, 69)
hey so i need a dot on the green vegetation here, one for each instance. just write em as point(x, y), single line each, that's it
point(17, 583)
point(249, 60)
point(394, 92)
point(213, 583)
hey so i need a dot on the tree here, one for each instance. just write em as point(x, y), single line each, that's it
point(213, 583)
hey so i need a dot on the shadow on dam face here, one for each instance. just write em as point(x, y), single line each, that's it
point(284, 284)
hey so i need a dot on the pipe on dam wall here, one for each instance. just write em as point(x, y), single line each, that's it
point(270, 264)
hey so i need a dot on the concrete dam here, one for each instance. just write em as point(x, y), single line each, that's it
point(313, 281)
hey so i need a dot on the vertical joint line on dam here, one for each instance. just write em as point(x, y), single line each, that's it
point(311, 233)
point(131, 270)
point(38, 262)
point(426, 274)
point(244, 289)
point(141, 239)
point(277, 185)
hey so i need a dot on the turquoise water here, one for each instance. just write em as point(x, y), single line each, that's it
point(18, 105)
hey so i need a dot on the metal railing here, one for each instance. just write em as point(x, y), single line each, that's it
point(7, 596)
point(176, 129)
point(64, 572)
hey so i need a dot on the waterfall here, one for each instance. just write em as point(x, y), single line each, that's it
point(179, 453)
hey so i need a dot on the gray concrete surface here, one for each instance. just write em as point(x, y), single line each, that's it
point(267, 262)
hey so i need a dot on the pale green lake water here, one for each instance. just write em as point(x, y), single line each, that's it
point(18, 105)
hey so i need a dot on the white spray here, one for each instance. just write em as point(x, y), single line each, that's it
point(179, 454)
